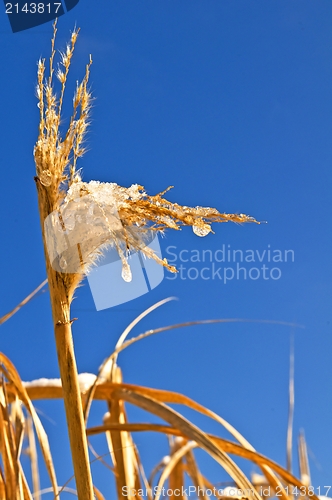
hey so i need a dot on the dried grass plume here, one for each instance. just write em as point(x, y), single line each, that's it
point(95, 215)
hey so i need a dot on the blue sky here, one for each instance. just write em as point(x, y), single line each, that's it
point(230, 102)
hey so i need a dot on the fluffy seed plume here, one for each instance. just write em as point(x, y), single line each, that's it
point(88, 217)
point(95, 215)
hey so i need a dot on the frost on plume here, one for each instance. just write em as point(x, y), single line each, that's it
point(95, 215)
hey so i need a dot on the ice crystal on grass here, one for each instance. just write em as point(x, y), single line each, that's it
point(95, 215)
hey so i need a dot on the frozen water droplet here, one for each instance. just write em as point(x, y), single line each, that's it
point(201, 231)
point(126, 272)
point(63, 263)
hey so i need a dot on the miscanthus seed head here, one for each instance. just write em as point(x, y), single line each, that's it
point(95, 215)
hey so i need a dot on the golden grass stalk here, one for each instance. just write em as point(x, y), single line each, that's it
point(52, 156)
point(111, 215)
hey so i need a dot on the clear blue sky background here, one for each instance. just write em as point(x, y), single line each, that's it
point(231, 103)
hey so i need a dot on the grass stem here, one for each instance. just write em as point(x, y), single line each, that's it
point(60, 295)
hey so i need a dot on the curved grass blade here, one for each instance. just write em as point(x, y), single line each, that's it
point(13, 376)
point(192, 432)
point(21, 304)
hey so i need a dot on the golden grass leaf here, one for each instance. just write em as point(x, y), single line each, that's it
point(98, 494)
point(303, 460)
point(21, 304)
point(225, 445)
point(14, 377)
point(176, 398)
point(2, 485)
point(25, 487)
point(177, 481)
point(108, 367)
point(121, 447)
point(33, 459)
point(191, 432)
point(195, 474)
point(9, 475)
point(105, 390)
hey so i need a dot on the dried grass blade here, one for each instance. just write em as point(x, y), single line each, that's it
point(160, 465)
point(2, 481)
point(176, 398)
point(124, 345)
point(303, 460)
point(7, 459)
point(139, 318)
point(23, 303)
point(98, 494)
point(8, 449)
point(225, 445)
point(100, 458)
point(195, 475)
point(109, 364)
point(141, 471)
point(118, 448)
point(123, 447)
point(176, 482)
point(33, 459)
point(289, 446)
point(41, 434)
point(17, 416)
point(191, 432)
point(25, 487)
point(105, 390)
point(176, 473)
